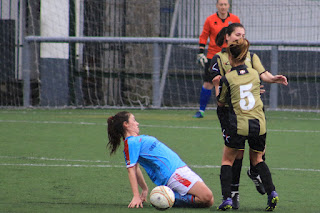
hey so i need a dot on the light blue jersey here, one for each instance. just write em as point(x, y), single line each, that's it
point(156, 158)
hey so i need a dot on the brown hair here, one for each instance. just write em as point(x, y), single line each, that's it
point(238, 50)
point(116, 130)
point(220, 38)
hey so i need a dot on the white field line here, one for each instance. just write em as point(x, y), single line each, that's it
point(49, 122)
point(152, 126)
point(295, 118)
point(106, 113)
point(56, 165)
point(53, 159)
point(122, 166)
point(104, 165)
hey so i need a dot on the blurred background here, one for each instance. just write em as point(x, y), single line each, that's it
point(142, 73)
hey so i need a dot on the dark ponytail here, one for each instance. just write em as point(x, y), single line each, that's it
point(221, 36)
point(116, 130)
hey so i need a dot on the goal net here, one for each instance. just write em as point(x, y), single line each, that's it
point(99, 73)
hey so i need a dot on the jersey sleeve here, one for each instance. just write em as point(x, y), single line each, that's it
point(205, 32)
point(132, 151)
point(256, 64)
point(223, 88)
point(215, 66)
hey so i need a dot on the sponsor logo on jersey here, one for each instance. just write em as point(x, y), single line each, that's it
point(242, 72)
point(153, 146)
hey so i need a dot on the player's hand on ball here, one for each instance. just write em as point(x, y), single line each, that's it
point(202, 59)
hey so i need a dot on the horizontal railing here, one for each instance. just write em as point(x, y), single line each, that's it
point(157, 80)
point(159, 40)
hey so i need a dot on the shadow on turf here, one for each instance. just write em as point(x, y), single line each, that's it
point(80, 204)
point(242, 209)
point(121, 205)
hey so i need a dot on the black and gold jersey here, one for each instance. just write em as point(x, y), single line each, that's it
point(220, 64)
point(240, 89)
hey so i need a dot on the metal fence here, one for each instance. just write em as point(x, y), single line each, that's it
point(159, 76)
point(141, 53)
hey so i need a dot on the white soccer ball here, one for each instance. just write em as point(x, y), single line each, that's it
point(162, 197)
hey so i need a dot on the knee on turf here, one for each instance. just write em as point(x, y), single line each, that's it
point(206, 199)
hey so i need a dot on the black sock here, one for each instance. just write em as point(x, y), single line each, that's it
point(225, 180)
point(253, 170)
point(265, 176)
point(236, 172)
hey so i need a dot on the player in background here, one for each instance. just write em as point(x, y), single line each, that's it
point(212, 26)
point(220, 65)
point(163, 166)
point(240, 89)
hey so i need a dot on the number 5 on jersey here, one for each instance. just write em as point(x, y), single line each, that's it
point(245, 93)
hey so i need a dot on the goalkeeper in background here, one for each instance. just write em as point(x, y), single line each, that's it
point(212, 26)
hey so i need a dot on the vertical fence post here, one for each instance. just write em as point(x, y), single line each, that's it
point(169, 47)
point(26, 63)
point(156, 76)
point(26, 73)
point(274, 70)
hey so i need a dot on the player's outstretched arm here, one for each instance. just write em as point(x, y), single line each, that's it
point(136, 201)
point(142, 183)
point(269, 78)
point(280, 79)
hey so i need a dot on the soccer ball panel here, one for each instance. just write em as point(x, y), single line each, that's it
point(162, 197)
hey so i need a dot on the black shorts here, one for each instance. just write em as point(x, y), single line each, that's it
point(208, 76)
point(256, 143)
point(223, 116)
point(232, 139)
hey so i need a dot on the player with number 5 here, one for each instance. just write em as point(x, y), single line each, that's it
point(240, 89)
point(220, 65)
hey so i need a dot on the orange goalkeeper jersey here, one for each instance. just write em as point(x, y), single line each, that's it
point(211, 28)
